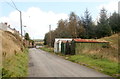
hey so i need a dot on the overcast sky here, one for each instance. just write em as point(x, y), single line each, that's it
point(38, 15)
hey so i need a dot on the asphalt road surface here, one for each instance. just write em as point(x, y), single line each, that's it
point(44, 64)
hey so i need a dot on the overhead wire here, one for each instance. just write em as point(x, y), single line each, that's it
point(14, 5)
point(9, 4)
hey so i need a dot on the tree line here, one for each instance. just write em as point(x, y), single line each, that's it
point(84, 27)
point(27, 37)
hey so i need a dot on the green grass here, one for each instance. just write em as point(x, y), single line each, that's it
point(50, 50)
point(47, 49)
point(103, 65)
point(16, 66)
point(0, 72)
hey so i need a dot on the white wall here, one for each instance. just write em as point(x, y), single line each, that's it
point(3, 26)
point(10, 30)
point(59, 40)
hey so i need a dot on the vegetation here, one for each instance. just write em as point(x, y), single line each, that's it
point(16, 65)
point(104, 65)
point(27, 36)
point(47, 49)
point(84, 27)
point(115, 22)
point(103, 26)
point(14, 55)
point(88, 25)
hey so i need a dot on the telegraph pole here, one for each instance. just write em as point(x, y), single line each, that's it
point(21, 21)
point(50, 33)
point(20, 15)
point(119, 13)
point(14, 6)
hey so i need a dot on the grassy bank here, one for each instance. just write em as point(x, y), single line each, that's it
point(100, 64)
point(47, 49)
point(16, 65)
point(103, 65)
point(50, 50)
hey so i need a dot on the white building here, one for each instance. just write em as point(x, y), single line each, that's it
point(5, 27)
point(57, 43)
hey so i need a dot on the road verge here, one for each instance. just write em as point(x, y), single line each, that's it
point(16, 65)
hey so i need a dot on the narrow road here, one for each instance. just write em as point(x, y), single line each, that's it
point(44, 64)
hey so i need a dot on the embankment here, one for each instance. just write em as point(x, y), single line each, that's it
point(14, 55)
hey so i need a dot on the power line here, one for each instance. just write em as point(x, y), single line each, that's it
point(17, 10)
point(20, 16)
point(10, 4)
point(14, 5)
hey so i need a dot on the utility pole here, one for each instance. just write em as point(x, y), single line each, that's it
point(21, 21)
point(119, 8)
point(50, 33)
point(14, 6)
point(20, 15)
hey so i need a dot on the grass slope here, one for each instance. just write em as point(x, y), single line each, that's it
point(103, 65)
point(16, 65)
point(14, 57)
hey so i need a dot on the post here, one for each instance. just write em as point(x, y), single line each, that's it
point(119, 7)
point(21, 22)
point(21, 29)
point(50, 33)
point(1, 54)
point(118, 35)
